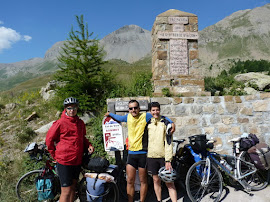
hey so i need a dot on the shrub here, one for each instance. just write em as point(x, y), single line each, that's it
point(141, 85)
point(166, 92)
point(97, 139)
point(26, 135)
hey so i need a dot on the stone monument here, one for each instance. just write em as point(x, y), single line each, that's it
point(175, 54)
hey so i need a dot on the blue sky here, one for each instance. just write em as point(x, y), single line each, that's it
point(29, 28)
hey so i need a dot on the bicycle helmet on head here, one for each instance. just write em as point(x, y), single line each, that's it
point(70, 100)
point(166, 175)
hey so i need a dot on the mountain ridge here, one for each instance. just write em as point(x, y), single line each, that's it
point(243, 35)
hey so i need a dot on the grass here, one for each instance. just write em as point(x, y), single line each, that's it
point(126, 71)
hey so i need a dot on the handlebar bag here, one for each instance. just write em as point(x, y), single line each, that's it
point(44, 186)
point(248, 142)
point(260, 156)
point(198, 142)
point(98, 164)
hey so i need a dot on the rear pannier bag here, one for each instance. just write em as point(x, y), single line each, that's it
point(248, 142)
point(260, 156)
point(95, 189)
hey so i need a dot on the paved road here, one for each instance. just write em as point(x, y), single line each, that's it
point(229, 195)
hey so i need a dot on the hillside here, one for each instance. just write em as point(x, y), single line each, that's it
point(243, 35)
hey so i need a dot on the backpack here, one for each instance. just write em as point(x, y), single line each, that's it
point(260, 156)
point(95, 189)
point(248, 142)
point(44, 186)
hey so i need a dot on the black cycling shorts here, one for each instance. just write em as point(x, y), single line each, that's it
point(67, 174)
point(154, 164)
point(137, 160)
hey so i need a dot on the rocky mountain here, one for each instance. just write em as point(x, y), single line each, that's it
point(129, 43)
point(242, 35)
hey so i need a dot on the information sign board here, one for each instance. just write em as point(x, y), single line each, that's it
point(112, 135)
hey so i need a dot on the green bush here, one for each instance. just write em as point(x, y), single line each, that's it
point(166, 92)
point(25, 135)
point(141, 85)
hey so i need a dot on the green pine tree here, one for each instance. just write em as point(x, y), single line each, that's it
point(81, 69)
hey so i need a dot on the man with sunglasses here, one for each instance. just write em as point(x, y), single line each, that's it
point(137, 144)
point(66, 143)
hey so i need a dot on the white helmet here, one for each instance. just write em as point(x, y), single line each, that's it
point(31, 147)
point(70, 100)
point(166, 175)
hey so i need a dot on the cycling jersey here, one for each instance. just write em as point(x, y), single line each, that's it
point(158, 147)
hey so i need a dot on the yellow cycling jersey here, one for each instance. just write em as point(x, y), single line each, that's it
point(136, 126)
point(158, 146)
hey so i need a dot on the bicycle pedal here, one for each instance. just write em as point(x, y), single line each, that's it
point(248, 189)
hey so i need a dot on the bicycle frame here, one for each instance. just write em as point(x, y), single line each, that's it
point(235, 174)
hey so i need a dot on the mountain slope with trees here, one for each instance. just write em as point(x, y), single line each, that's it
point(244, 35)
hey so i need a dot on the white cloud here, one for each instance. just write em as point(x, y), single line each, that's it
point(9, 36)
point(27, 38)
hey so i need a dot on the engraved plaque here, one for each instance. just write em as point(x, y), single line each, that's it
point(178, 20)
point(122, 106)
point(178, 57)
point(178, 28)
point(177, 35)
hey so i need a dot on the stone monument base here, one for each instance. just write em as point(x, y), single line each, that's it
point(181, 86)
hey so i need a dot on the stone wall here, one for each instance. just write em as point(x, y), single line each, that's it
point(220, 117)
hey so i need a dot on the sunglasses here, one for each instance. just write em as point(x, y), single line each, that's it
point(70, 108)
point(130, 108)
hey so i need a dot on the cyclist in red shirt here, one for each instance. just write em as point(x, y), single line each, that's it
point(66, 143)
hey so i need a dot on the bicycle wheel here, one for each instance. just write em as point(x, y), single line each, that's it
point(111, 193)
point(197, 187)
point(122, 184)
point(26, 186)
point(258, 180)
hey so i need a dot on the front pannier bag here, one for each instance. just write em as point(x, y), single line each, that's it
point(44, 186)
point(260, 155)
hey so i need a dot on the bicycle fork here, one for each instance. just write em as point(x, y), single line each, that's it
point(206, 173)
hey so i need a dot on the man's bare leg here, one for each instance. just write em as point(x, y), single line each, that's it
point(144, 183)
point(131, 174)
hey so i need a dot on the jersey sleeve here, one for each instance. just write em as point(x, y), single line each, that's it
point(52, 137)
point(119, 117)
point(149, 116)
point(168, 148)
